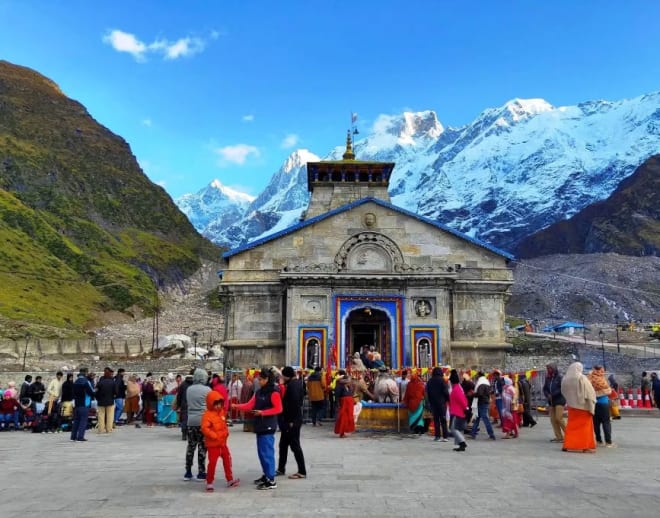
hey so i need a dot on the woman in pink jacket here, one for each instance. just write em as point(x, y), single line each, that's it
point(457, 406)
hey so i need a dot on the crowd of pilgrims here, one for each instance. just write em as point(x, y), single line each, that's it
point(447, 403)
point(112, 400)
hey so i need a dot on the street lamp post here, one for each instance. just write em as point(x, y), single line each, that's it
point(602, 346)
point(194, 336)
point(616, 324)
point(27, 341)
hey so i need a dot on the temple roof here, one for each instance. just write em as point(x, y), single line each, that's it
point(353, 205)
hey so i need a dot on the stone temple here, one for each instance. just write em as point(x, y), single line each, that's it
point(357, 270)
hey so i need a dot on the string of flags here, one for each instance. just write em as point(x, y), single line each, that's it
point(423, 371)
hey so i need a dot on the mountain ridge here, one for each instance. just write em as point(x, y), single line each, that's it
point(628, 222)
point(509, 173)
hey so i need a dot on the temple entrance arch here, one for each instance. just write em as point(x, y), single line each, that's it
point(368, 320)
point(369, 327)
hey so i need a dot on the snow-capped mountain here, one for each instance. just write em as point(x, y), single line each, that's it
point(214, 207)
point(509, 173)
point(230, 218)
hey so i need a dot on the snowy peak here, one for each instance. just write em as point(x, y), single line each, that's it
point(409, 126)
point(231, 194)
point(519, 109)
point(204, 206)
point(512, 112)
point(297, 159)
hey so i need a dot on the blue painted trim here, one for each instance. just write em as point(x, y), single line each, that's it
point(353, 205)
point(317, 332)
point(422, 329)
point(381, 405)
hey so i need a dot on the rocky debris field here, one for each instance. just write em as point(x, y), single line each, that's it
point(593, 287)
point(184, 309)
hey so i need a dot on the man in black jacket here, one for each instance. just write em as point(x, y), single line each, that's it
point(37, 390)
point(556, 401)
point(290, 423)
point(437, 394)
point(82, 398)
point(120, 389)
point(25, 388)
point(106, 392)
point(181, 404)
point(525, 396)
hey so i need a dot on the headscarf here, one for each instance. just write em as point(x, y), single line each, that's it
point(11, 386)
point(132, 387)
point(483, 380)
point(598, 381)
point(577, 389)
point(170, 383)
point(414, 393)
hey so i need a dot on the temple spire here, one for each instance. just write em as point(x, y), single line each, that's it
point(348, 154)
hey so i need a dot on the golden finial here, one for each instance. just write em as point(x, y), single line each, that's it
point(348, 154)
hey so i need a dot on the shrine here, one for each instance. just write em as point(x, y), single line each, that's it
point(359, 271)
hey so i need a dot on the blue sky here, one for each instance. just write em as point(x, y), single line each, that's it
point(228, 89)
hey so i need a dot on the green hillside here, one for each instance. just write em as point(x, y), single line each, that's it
point(83, 230)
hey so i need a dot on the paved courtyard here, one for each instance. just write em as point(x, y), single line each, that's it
point(138, 472)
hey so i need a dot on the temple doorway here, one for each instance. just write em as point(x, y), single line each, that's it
point(368, 326)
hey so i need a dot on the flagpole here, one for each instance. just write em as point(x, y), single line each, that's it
point(353, 129)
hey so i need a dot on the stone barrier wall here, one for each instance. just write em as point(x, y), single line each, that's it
point(38, 347)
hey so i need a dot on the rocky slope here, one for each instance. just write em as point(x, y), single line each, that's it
point(593, 287)
point(628, 222)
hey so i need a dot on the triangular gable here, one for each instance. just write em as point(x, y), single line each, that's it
point(353, 205)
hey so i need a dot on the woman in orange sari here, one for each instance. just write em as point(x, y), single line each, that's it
point(581, 401)
point(413, 399)
point(345, 422)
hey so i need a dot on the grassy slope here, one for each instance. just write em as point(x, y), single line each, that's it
point(76, 212)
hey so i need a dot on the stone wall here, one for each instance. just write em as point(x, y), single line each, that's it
point(39, 347)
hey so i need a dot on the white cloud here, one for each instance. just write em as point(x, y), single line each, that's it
point(125, 42)
point(237, 154)
point(183, 47)
point(290, 141)
point(247, 118)
point(146, 122)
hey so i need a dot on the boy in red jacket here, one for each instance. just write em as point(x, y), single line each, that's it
point(214, 428)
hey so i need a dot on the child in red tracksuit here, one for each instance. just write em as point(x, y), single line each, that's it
point(216, 432)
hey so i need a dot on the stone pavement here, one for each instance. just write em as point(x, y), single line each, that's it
point(138, 472)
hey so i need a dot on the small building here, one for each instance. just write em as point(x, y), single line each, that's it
point(358, 271)
point(567, 328)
